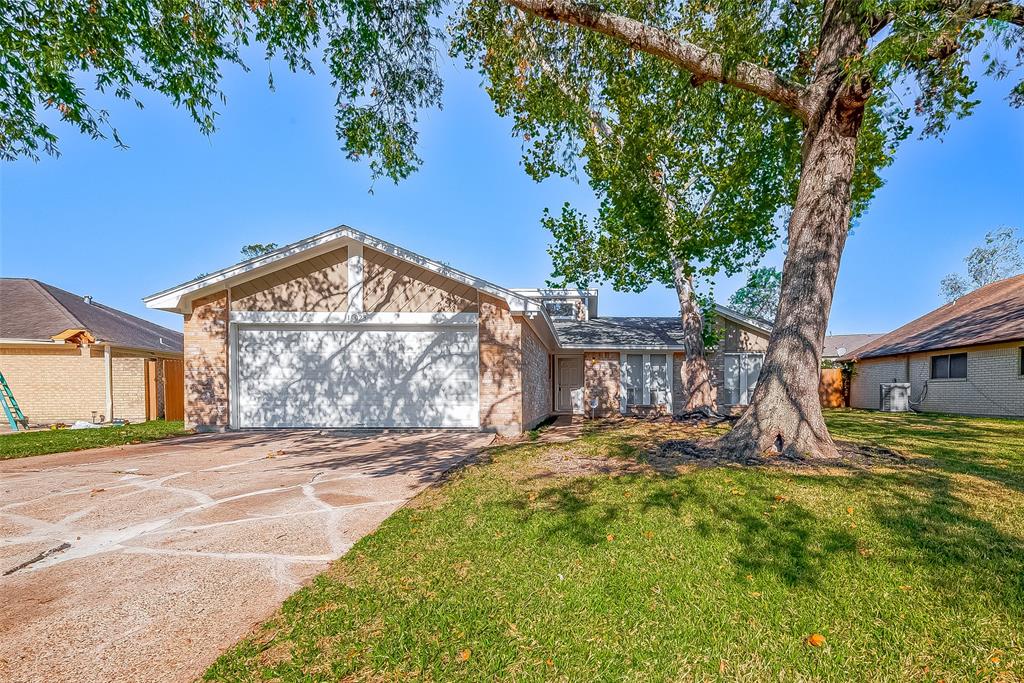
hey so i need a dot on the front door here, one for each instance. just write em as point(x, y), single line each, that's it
point(570, 385)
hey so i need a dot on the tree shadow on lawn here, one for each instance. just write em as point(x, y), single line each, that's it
point(924, 527)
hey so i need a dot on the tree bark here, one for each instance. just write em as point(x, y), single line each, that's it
point(696, 370)
point(785, 415)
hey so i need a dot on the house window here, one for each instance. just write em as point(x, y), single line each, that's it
point(741, 373)
point(949, 366)
point(634, 379)
point(646, 379)
point(560, 308)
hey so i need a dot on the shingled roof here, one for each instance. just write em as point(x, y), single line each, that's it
point(989, 315)
point(33, 310)
point(843, 344)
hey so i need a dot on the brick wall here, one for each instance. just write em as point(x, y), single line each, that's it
point(501, 390)
point(62, 384)
point(129, 388)
point(536, 378)
point(993, 385)
point(601, 380)
point(206, 363)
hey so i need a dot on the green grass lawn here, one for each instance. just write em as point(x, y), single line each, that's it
point(537, 565)
point(21, 444)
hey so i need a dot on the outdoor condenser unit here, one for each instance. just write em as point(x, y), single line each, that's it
point(895, 397)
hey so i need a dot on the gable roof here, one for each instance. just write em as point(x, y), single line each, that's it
point(35, 311)
point(841, 344)
point(989, 315)
point(179, 298)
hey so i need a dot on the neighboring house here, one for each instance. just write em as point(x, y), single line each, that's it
point(67, 357)
point(345, 330)
point(839, 345)
point(965, 357)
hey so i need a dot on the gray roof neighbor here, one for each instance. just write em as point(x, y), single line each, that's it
point(841, 344)
point(34, 310)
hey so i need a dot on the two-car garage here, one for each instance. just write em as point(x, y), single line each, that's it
point(357, 375)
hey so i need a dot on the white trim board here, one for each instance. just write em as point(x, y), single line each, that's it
point(350, 318)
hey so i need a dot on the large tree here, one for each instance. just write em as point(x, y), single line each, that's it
point(759, 296)
point(837, 68)
point(688, 180)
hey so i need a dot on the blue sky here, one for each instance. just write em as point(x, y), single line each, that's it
point(121, 224)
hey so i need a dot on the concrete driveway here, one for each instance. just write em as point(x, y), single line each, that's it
point(162, 555)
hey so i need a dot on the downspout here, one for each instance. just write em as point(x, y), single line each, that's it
point(108, 380)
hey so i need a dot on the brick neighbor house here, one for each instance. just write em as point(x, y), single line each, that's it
point(345, 330)
point(67, 357)
point(965, 357)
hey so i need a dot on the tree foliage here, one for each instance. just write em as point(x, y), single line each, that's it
point(759, 297)
point(381, 56)
point(250, 251)
point(1000, 257)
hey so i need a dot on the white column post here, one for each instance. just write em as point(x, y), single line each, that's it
point(108, 376)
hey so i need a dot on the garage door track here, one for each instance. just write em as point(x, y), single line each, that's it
point(143, 563)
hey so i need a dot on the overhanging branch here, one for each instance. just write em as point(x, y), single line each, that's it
point(703, 64)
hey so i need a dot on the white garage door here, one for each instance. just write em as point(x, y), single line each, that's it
point(357, 376)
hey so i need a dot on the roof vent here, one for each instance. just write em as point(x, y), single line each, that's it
point(87, 299)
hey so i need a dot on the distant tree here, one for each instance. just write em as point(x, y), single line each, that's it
point(759, 298)
point(253, 250)
point(1000, 257)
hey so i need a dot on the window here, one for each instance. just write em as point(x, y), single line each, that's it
point(634, 379)
point(647, 379)
point(560, 308)
point(949, 366)
point(741, 373)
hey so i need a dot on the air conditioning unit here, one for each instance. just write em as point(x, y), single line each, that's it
point(895, 397)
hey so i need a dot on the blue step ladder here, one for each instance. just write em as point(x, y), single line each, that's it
point(11, 409)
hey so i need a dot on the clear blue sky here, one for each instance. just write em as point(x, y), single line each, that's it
point(122, 224)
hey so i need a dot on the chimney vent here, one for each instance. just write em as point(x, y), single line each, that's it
point(87, 299)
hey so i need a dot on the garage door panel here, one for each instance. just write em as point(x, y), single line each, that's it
point(424, 377)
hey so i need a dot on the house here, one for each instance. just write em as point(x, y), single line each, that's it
point(68, 357)
point(346, 330)
point(839, 345)
point(965, 357)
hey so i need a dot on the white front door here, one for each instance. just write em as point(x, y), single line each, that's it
point(570, 385)
point(357, 376)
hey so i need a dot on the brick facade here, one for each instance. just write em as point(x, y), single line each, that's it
point(536, 372)
point(501, 377)
point(601, 381)
point(206, 363)
point(994, 384)
point(67, 383)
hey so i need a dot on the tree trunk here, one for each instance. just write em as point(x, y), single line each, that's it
point(696, 371)
point(785, 414)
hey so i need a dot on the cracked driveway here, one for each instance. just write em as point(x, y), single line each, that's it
point(177, 548)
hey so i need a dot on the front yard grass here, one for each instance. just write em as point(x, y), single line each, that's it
point(22, 444)
point(577, 561)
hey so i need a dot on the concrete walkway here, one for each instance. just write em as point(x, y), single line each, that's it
point(143, 563)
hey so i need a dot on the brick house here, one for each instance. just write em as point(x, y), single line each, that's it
point(345, 330)
point(67, 357)
point(965, 357)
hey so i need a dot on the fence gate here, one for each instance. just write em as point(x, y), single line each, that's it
point(174, 390)
point(830, 389)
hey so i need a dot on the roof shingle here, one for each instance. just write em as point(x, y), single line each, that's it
point(989, 315)
point(30, 309)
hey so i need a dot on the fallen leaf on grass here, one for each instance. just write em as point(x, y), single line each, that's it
point(464, 655)
point(815, 640)
point(549, 662)
point(781, 499)
point(611, 537)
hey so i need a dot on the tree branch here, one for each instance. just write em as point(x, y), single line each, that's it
point(997, 9)
point(703, 64)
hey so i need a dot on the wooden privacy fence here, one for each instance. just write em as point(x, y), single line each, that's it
point(171, 375)
point(832, 388)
